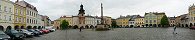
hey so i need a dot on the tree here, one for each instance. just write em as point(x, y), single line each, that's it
point(64, 24)
point(164, 21)
point(114, 25)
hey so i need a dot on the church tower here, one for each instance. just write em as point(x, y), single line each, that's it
point(81, 11)
point(81, 16)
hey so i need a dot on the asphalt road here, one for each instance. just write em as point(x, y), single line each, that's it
point(120, 34)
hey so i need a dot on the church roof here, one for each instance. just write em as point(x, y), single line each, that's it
point(81, 11)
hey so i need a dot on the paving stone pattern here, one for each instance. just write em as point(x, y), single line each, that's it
point(120, 34)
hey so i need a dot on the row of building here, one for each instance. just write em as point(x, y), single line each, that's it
point(150, 19)
point(20, 14)
point(82, 20)
point(153, 19)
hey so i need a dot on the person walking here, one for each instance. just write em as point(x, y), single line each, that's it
point(81, 28)
point(174, 30)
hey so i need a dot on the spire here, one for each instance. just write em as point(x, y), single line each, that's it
point(81, 7)
point(81, 11)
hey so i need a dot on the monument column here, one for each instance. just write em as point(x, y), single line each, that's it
point(102, 17)
point(102, 26)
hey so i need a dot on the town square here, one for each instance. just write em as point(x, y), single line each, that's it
point(97, 20)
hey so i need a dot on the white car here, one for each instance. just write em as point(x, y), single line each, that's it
point(52, 30)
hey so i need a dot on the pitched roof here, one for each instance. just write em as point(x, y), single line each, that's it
point(26, 4)
point(132, 18)
point(156, 13)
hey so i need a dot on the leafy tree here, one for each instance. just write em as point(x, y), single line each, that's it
point(164, 21)
point(114, 25)
point(64, 24)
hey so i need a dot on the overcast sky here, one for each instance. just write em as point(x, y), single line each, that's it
point(113, 8)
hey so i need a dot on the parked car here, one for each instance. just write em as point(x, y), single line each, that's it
point(34, 32)
point(45, 31)
point(14, 34)
point(52, 30)
point(26, 33)
point(193, 27)
point(4, 36)
point(40, 32)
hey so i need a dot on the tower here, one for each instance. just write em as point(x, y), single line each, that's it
point(81, 16)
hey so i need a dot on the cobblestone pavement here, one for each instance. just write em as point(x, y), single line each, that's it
point(120, 34)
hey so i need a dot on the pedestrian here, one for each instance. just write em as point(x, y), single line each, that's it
point(174, 30)
point(81, 28)
point(92, 28)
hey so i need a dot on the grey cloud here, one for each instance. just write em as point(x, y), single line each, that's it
point(114, 8)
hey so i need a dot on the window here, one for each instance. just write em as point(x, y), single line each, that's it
point(21, 12)
point(150, 21)
point(146, 21)
point(5, 17)
point(10, 10)
point(0, 7)
point(30, 13)
point(5, 9)
point(19, 20)
point(16, 19)
point(0, 16)
point(154, 20)
point(27, 20)
point(30, 20)
point(9, 18)
point(16, 11)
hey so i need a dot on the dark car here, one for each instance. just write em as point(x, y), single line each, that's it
point(26, 32)
point(14, 34)
point(4, 36)
point(40, 32)
point(34, 32)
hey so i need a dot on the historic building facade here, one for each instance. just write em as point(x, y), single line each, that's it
point(172, 21)
point(139, 21)
point(19, 16)
point(152, 19)
point(186, 20)
point(191, 15)
point(132, 21)
point(82, 20)
point(30, 14)
point(182, 20)
point(123, 21)
point(6, 14)
point(107, 20)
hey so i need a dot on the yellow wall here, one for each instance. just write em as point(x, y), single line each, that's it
point(20, 14)
point(122, 21)
point(139, 21)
